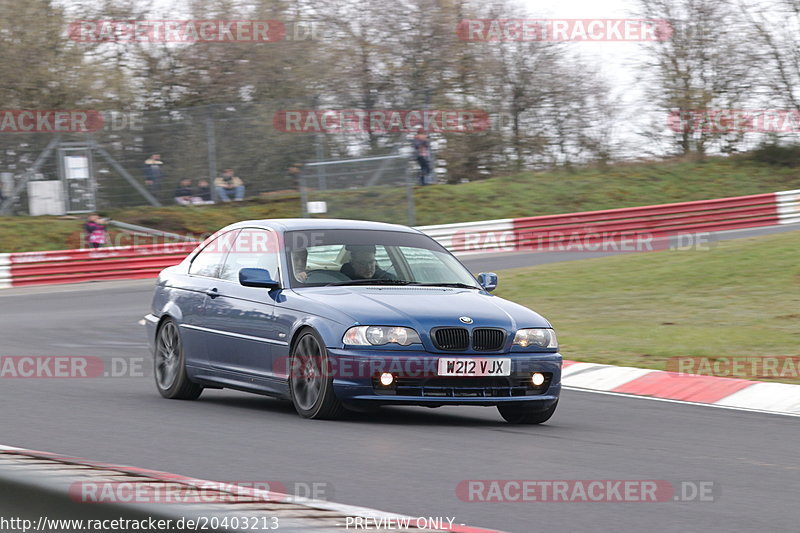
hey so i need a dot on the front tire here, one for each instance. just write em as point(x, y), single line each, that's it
point(310, 382)
point(169, 365)
point(522, 414)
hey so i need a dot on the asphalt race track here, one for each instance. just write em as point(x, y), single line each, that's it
point(405, 460)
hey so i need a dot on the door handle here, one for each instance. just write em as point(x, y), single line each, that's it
point(213, 293)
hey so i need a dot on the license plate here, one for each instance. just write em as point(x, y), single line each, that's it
point(474, 367)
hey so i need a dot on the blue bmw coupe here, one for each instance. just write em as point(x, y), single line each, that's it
point(341, 314)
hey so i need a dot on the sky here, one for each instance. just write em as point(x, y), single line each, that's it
point(616, 61)
point(614, 58)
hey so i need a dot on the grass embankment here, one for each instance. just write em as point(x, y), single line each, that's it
point(741, 298)
point(525, 194)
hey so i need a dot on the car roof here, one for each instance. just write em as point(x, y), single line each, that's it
point(303, 224)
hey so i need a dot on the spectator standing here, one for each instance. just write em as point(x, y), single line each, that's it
point(422, 147)
point(228, 185)
point(294, 172)
point(95, 230)
point(153, 174)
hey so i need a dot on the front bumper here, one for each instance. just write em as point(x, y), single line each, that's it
point(151, 326)
point(355, 375)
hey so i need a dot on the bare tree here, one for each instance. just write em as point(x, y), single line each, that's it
point(777, 29)
point(703, 66)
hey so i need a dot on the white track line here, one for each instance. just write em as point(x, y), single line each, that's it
point(668, 400)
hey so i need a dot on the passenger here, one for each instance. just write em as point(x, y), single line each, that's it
point(363, 265)
point(299, 264)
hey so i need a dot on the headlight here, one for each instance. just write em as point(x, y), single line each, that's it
point(380, 335)
point(536, 337)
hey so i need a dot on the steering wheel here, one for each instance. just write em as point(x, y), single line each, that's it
point(325, 276)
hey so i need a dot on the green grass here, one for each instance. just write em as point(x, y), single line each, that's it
point(22, 234)
point(526, 194)
point(740, 298)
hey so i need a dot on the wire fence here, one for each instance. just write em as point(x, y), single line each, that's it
point(342, 188)
point(195, 144)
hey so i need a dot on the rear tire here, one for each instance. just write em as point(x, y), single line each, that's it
point(169, 365)
point(310, 382)
point(516, 414)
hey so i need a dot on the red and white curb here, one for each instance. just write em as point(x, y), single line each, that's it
point(303, 513)
point(742, 394)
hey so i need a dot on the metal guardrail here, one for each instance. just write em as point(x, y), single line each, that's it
point(94, 264)
point(543, 233)
point(788, 206)
point(657, 223)
point(150, 231)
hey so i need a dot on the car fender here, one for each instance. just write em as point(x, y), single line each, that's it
point(331, 332)
point(172, 309)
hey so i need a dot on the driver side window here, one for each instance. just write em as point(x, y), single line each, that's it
point(208, 262)
point(253, 248)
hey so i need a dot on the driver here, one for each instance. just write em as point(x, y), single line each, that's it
point(362, 264)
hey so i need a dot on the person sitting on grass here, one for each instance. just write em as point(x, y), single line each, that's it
point(204, 191)
point(228, 185)
point(184, 195)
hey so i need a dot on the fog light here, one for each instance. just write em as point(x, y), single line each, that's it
point(537, 379)
point(387, 379)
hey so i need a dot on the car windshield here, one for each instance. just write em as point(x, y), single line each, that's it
point(369, 257)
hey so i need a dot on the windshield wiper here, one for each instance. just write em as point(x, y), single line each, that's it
point(370, 282)
point(443, 284)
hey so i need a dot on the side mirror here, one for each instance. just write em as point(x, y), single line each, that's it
point(488, 280)
point(257, 277)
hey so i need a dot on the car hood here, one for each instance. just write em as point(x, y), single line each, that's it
point(421, 307)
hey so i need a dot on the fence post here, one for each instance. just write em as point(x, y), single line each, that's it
point(125, 174)
point(212, 151)
point(411, 208)
point(303, 196)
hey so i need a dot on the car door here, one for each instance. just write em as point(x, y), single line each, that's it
point(197, 289)
point(243, 317)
